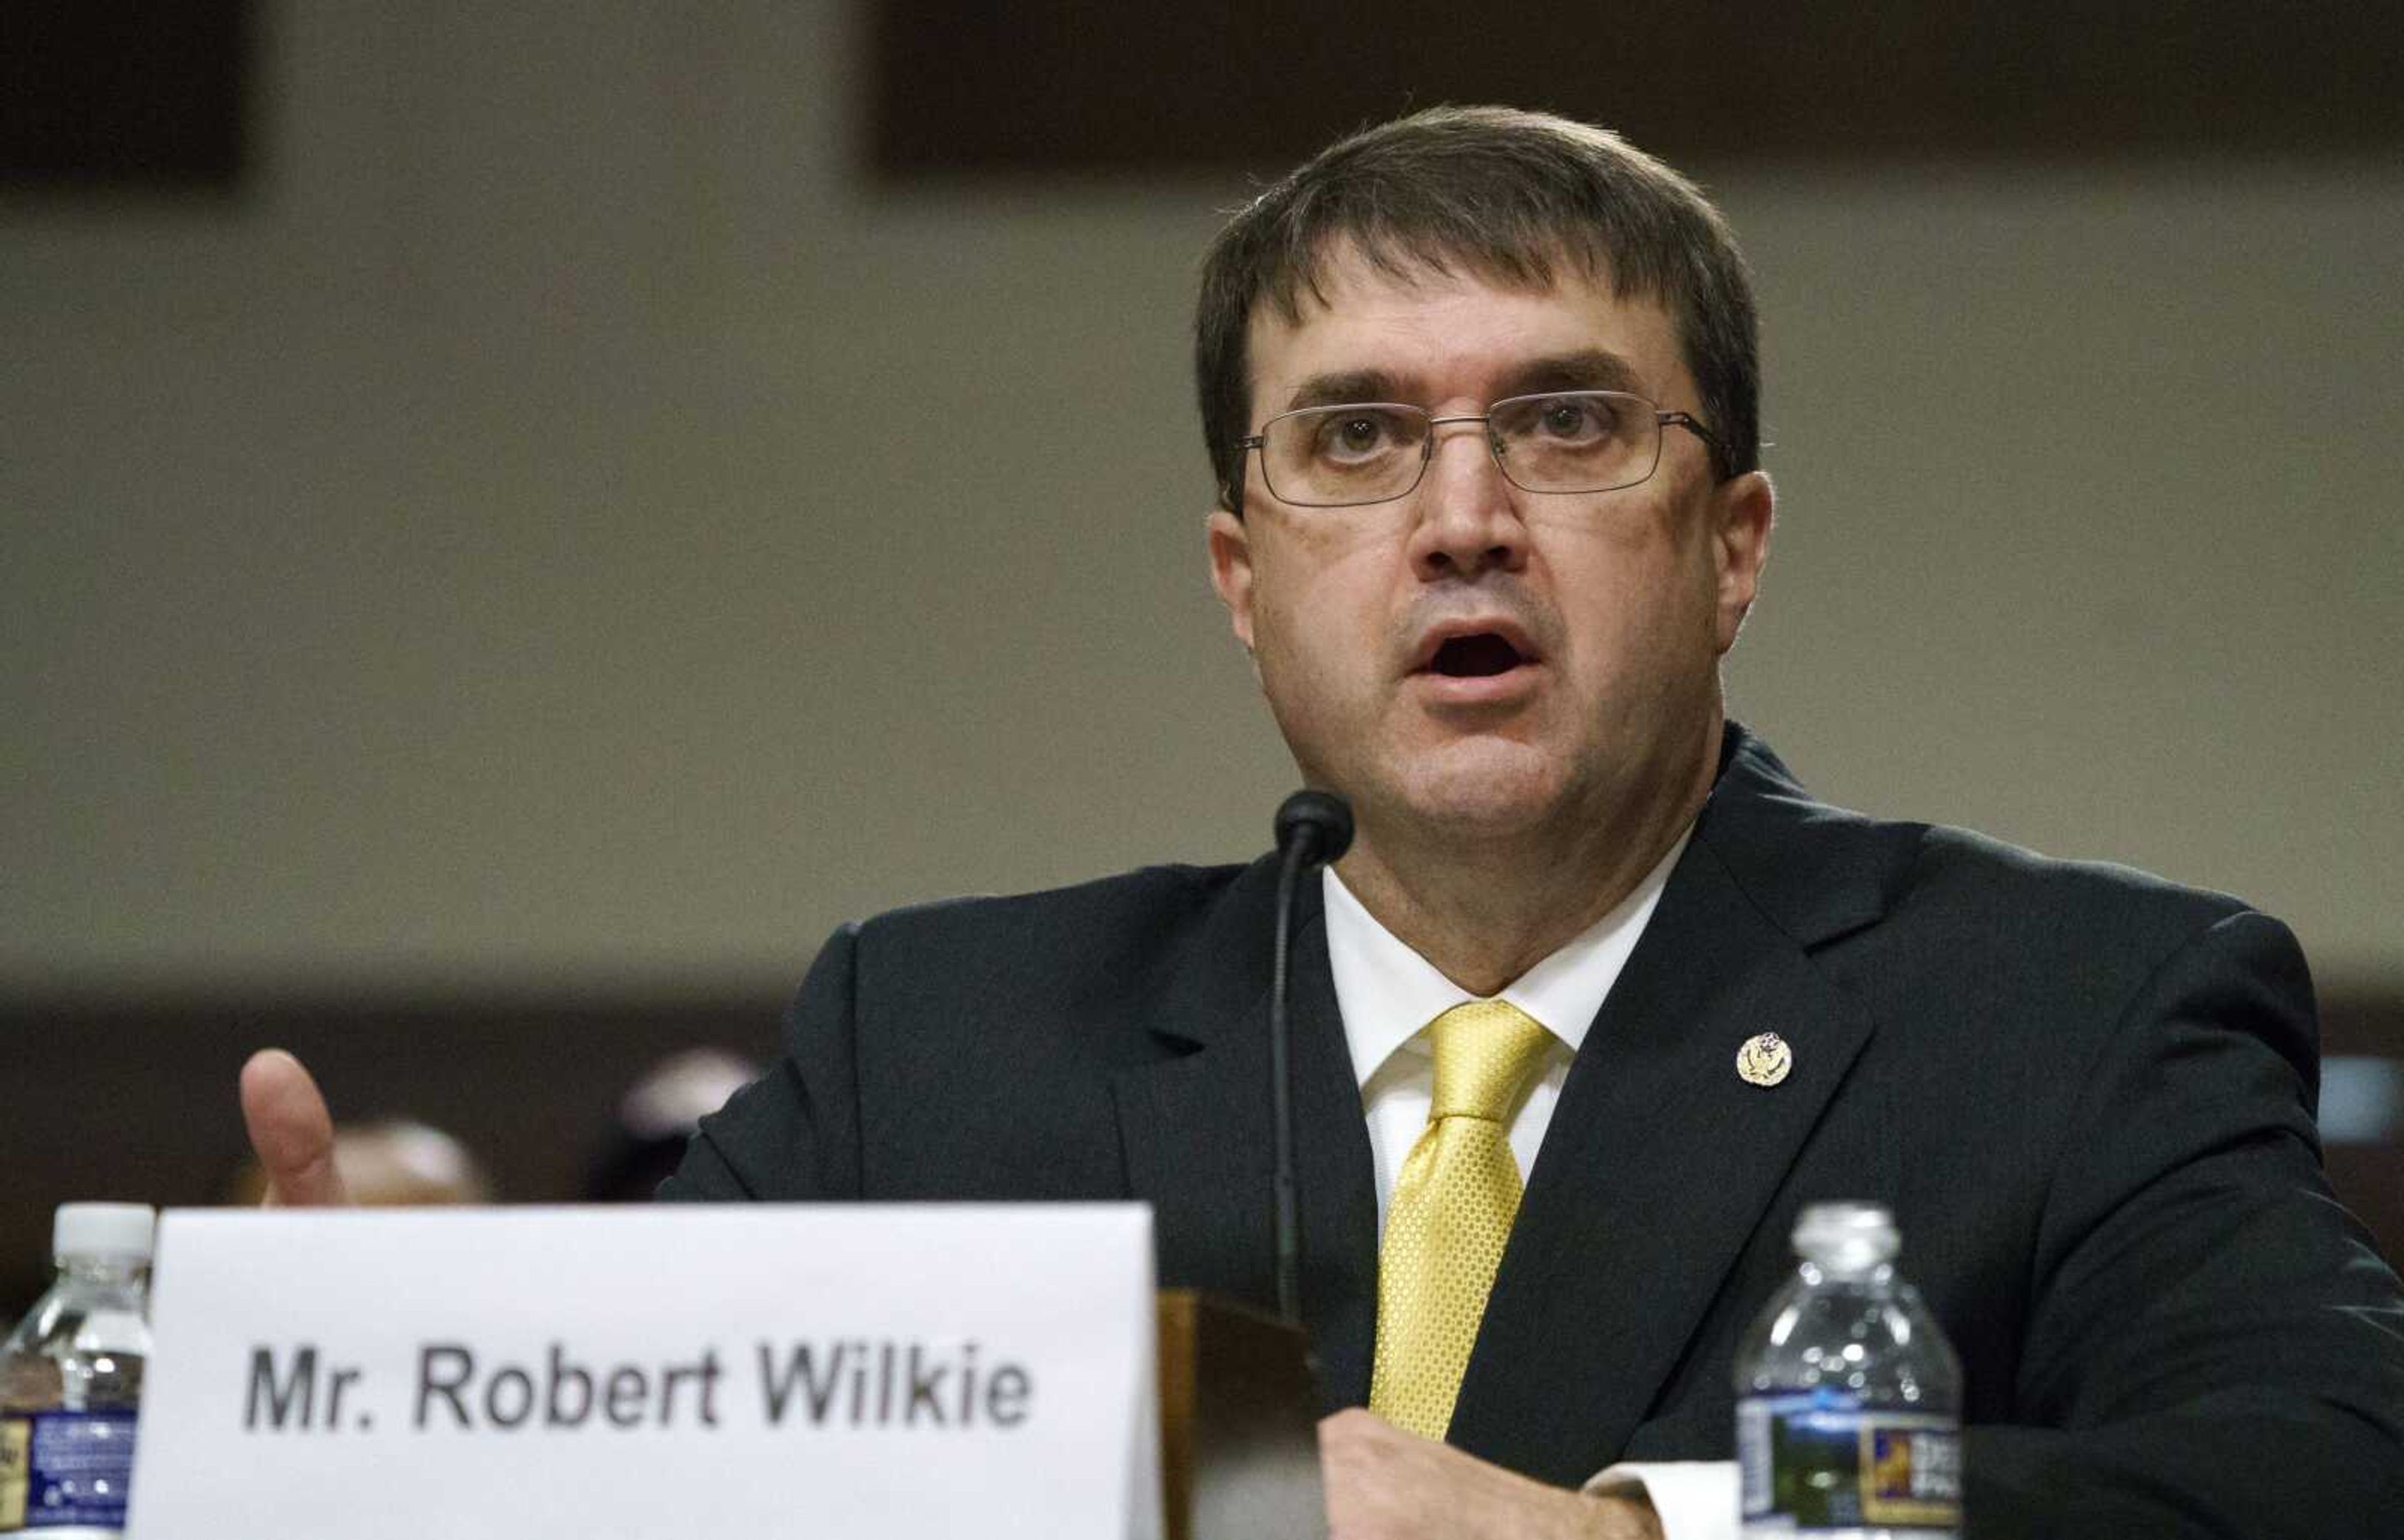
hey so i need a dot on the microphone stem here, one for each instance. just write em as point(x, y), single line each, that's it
point(1289, 1223)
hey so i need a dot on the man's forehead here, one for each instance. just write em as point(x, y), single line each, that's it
point(1425, 322)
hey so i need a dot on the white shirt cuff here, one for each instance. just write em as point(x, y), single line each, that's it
point(1695, 1499)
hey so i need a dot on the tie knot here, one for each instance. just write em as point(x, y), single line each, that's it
point(1485, 1052)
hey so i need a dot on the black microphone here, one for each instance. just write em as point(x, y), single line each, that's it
point(1313, 828)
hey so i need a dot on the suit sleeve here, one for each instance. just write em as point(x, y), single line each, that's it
point(792, 1135)
point(2217, 1348)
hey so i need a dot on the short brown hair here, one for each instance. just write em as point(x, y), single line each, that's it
point(1508, 195)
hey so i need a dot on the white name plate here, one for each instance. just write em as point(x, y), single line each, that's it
point(747, 1371)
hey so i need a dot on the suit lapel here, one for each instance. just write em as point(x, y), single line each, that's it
point(1195, 1129)
point(1660, 1160)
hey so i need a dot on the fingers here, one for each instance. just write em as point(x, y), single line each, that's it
point(1374, 1478)
point(1386, 1484)
point(290, 1131)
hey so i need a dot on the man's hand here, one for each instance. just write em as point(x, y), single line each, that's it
point(290, 1131)
point(1385, 1484)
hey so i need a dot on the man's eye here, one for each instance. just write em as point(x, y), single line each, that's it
point(1349, 435)
point(1575, 419)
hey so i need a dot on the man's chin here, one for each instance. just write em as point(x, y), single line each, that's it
point(1484, 797)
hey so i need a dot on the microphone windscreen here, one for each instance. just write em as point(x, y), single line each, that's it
point(1321, 818)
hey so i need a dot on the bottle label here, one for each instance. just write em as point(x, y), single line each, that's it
point(15, 1440)
point(65, 1469)
point(1812, 1461)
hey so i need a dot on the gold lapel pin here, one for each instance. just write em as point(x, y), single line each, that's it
point(1765, 1060)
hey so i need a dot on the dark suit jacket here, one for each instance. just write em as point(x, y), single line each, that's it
point(2086, 1094)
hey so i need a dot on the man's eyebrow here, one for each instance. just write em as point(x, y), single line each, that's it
point(1589, 369)
point(1344, 389)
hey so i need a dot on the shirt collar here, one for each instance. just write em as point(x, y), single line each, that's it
point(1388, 993)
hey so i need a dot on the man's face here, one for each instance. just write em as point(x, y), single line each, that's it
point(1475, 659)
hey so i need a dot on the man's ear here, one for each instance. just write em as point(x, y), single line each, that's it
point(1743, 509)
point(1231, 570)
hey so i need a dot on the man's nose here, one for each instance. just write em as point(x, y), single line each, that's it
point(1467, 522)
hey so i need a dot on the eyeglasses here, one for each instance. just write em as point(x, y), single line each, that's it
point(1374, 451)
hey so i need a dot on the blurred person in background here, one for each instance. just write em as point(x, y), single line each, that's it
point(397, 1163)
point(656, 1119)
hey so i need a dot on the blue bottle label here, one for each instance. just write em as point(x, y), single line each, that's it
point(77, 1466)
point(1815, 1461)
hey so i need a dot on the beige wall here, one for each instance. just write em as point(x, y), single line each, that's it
point(562, 527)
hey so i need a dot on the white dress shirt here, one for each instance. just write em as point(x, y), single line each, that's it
point(1387, 996)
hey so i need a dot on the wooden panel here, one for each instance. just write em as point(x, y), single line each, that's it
point(135, 1098)
point(2369, 1175)
point(1251, 85)
point(147, 94)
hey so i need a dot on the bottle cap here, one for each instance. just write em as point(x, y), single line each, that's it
point(1848, 1236)
point(103, 1230)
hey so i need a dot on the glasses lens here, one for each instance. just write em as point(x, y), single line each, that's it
point(1577, 441)
point(1329, 456)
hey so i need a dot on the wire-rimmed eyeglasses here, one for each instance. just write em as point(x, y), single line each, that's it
point(1374, 451)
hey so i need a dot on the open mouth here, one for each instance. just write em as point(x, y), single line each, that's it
point(1479, 656)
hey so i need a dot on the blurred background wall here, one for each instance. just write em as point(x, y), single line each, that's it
point(580, 514)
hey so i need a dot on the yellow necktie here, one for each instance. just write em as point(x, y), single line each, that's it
point(1454, 1200)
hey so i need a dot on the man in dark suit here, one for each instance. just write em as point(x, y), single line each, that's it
point(1480, 390)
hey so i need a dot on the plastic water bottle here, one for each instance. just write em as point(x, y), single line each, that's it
point(1848, 1398)
point(70, 1379)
